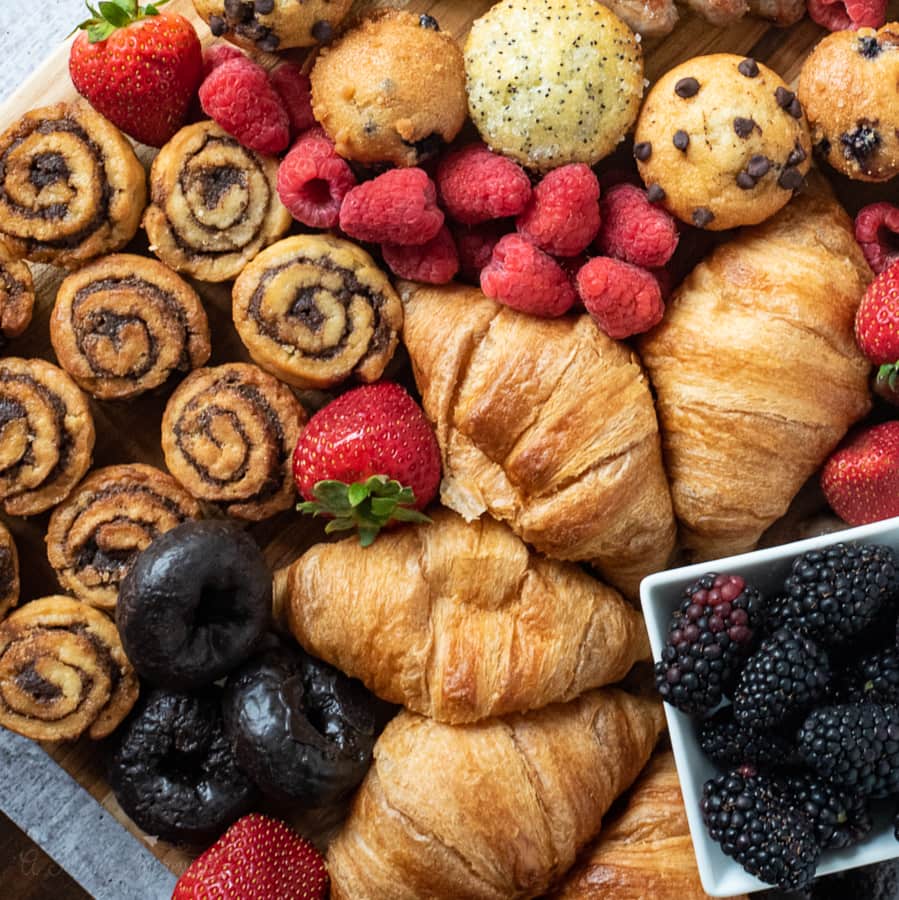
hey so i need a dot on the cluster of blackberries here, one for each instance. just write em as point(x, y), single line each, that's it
point(811, 734)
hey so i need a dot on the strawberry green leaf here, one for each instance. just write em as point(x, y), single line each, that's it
point(356, 493)
point(99, 32)
point(114, 14)
point(129, 6)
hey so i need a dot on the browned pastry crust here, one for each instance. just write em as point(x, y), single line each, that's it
point(757, 373)
point(650, 18)
point(546, 424)
point(124, 323)
point(315, 309)
point(71, 186)
point(16, 295)
point(46, 435)
point(114, 514)
point(781, 12)
point(9, 572)
point(228, 434)
point(214, 204)
point(493, 811)
point(63, 672)
point(459, 621)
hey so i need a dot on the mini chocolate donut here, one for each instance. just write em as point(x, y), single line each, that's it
point(303, 730)
point(194, 605)
point(173, 771)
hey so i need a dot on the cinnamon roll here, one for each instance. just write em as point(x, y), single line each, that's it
point(114, 514)
point(9, 572)
point(46, 435)
point(123, 324)
point(228, 434)
point(63, 672)
point(16, 295)
point(315, 309)
point(71, 186)
point(214, 204)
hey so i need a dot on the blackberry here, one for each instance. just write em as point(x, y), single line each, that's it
point(835, 593)
point(756, 823)
point(872, 679)
point(729, 743)
point(840, 816)
point(708, 636)
point(784, 677)
point(855, 745)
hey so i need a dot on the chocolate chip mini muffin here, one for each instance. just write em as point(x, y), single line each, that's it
point(271, 25)
point(722, 141)
point(849, 86)
point(552, 82)
point(391, 90)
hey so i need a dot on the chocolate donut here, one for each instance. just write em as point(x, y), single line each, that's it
point(194, 605)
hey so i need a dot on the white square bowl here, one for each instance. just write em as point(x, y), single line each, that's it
point(660, 595)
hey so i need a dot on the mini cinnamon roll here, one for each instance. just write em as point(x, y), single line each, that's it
point(214, 204)
point(123, 324)
point(63, 672)
point(228, 435)
point(16, 295)
point(71, 186)
point(46, 435)
point(9, 572)
point(95, 536)
point(315, 309)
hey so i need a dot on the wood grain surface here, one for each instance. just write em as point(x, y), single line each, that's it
point(130, 432)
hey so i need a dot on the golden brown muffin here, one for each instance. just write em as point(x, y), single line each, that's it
point(722, 141)
point(16, 296)
point(849, 86)
point(391, 90)
point(550, 94)
point(123, 324)
point(71, 186)
point(9, 572)
point(271, 25)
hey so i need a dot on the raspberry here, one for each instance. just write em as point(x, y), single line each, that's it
point(476, 185)
point(624, 300)
point(877, 231)
point(524, 277)
point(839, 15)
point(435, 262)
point(398, 207)
point(633, 230)
point(217, 54)
point(475, 245)
point(292, 86)
point(313, 180)
point(562, 216)
point(238, 96)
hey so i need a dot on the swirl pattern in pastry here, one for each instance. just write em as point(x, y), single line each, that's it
point(71, 186)
point(63, 672)
point(214, 204)
point(95, 536)
point(228, 434)
point(123, 324)
point(315, 309)
point(9, 572)
point(46, 435)
point(16, 295)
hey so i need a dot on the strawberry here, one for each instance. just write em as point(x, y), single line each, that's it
point(367, 458)
point(861, 479)
point(137, 67)
point(877, 329)
point(257, 858)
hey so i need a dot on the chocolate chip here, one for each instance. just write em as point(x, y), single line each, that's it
point(797, 155)
point(702, 216)
point(217, 25)
point(264, 7)
point(795, 108)
point(745, 181)
point(784, 97)
point(748, 67)
point(758, 166)
point(743, 127)
point(687, 87)
point(790, 179)
point(655, 193)
point(426, 21)
point(253, 30)
point(237, 11)
point(322, 31)
point(642, 151)
point(869, 47)
point(268, 43)
point(681, 140)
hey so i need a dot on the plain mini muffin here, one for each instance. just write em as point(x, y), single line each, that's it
point(552, 82)
point(722, 141)
point(849, 86)
point(391, 90)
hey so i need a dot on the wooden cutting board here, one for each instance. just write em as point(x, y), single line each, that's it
point(130, 432)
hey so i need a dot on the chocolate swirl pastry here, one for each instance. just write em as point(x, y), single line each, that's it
point(228, 434)
point(63, 672)
point(9, 572)
point(16, 296)
point(214, 204)
point(71, 186)
point(46, 435)
point(123, 324)
point(315, 309)
point(114, 514)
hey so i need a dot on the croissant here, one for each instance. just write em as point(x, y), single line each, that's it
point(458, 621)
point(493, 811)
point(546, 424)
point(756, 371)
point(645, 851)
